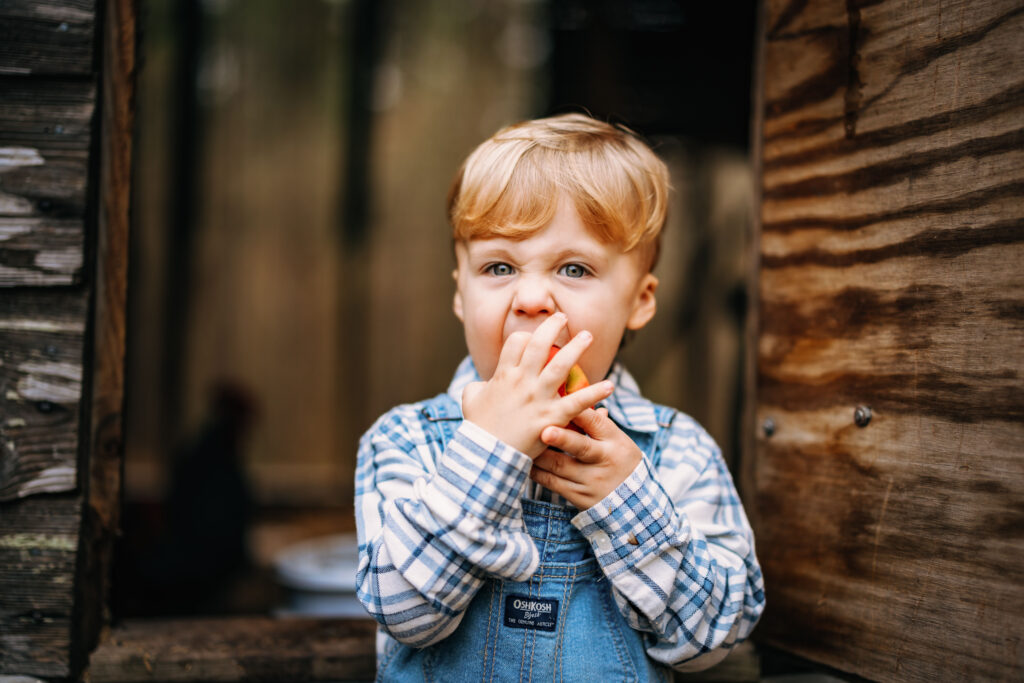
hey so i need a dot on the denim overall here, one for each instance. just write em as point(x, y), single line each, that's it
point(560, 625)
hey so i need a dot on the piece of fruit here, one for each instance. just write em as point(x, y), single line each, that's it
point(577, 378)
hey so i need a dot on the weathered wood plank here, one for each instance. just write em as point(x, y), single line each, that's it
point(40, 251)
point(891, 251)
point(101, 521)
point(47, 101)
point(38, 555)
point(236, 649)
point(41, 345)
point(46, 37)
point(44, 146)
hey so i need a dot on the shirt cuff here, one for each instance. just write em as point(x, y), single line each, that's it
point(630, 523)
point(485, 475)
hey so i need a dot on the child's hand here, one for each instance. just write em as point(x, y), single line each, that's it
point(521, 398)
point(592, 465)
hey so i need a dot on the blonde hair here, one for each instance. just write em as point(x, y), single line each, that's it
point(510, 185)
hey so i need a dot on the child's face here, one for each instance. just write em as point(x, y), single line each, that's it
point(505, 286)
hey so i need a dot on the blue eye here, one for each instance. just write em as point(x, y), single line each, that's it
point(574, 270)
point(500, 269)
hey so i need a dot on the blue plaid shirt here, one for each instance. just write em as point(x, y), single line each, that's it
point(673, 540)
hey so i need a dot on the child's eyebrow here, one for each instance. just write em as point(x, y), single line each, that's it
point(493, 252)
point(504, 253)
point(578, 253)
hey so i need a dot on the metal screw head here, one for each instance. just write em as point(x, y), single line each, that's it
point(768, 427)
point(862, 416)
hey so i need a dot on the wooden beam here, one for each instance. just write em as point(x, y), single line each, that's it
point(236, 649)
point(104, 440)
point(48, 191)
point(891, 248)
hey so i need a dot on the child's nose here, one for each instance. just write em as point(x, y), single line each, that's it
point(533, 297)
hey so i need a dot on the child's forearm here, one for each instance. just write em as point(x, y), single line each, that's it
point(429, 539)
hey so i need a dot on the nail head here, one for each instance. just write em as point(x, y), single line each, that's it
point(862, 416)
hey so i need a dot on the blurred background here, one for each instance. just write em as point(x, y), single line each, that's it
point(290, 279)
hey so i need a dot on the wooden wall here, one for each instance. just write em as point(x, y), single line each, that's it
point(892, 277)
point(64, 161)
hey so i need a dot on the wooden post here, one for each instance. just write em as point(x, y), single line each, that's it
point(101, 513)
point(890, 407)
point(64, 193)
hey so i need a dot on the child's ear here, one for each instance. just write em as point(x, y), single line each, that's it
point(457, 300)
point(645, 303)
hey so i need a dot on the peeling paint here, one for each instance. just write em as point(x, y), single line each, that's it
point(69, 371)
point(13, 205)
point(33, 325)
point(35, 389)
point(9, 229)
point(13, 157)
point(38, 541)
point(56, 382)
point(53, 480)
point(26, 276)
point(59, 259)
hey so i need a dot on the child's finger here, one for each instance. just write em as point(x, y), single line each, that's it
point(580, 446)
point(594, 422)
point(557, 370)
point(582, 399)
point(560, 465)
point(512, 349)
point(536, 353)
point(570, 490)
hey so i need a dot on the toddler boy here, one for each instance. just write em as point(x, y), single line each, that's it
point(507, 532)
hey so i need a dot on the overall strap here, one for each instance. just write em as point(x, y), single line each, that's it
point(443, 416)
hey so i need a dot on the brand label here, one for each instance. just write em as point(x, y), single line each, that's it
point(522, 611)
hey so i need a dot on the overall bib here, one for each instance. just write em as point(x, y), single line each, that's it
point(560, 625)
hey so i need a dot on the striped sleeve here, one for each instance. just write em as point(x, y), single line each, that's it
point(434, 525)
point(679, 552)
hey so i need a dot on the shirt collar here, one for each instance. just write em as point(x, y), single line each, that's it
point(625, 406)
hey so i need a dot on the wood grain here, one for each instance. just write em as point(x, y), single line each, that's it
point(38, 554)
point(40, 251)
point(892, 147)
point(41, 344)
point(47, 103)
point(46, 37)
point(44, 146)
